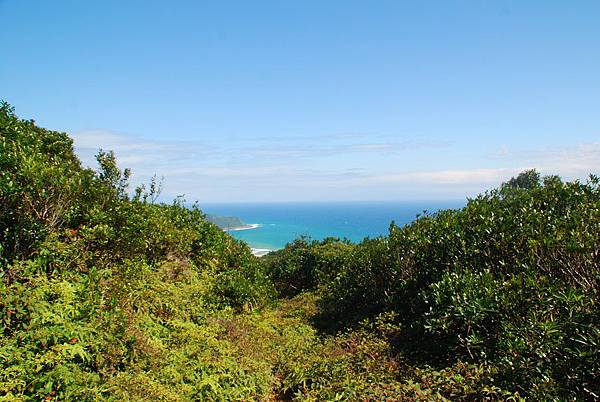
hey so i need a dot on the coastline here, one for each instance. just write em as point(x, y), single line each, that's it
point(259, 252)
point(245, 227)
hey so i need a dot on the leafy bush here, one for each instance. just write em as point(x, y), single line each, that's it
point(306, 264)
point(510, 282)
point(106, 295)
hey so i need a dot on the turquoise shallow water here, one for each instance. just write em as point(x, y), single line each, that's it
point(281, 223)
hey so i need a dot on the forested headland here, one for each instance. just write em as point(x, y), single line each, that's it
point(225, 222)
point(106, 294)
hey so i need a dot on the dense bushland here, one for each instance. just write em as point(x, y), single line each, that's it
point(107, 295)
point(509, 283)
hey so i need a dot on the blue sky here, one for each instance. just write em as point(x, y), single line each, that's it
point(328, 100)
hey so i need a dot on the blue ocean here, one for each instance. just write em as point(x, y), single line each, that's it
point(281, 223)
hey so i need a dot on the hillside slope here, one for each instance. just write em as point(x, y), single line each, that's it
point(105, 295)
point(108, 295)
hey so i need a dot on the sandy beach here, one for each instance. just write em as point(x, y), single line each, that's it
point(245, 227)
point(259, 252)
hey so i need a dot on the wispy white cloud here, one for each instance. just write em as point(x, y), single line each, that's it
point(466, 176)
point(571, 161)
point(477, 178)
point(317, 149)
point(135, 151)
point(193, 156)
point(94, 139)
point(328, 169)
point(192, 167)
point(219, 171)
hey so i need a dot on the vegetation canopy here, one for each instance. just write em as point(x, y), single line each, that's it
point(107, 295)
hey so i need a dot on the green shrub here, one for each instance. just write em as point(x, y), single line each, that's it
point(510, 282)
point(107, 295)
point(104, 295)
point(306, 264)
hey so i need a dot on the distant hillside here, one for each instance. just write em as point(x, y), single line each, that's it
point(225, 222)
